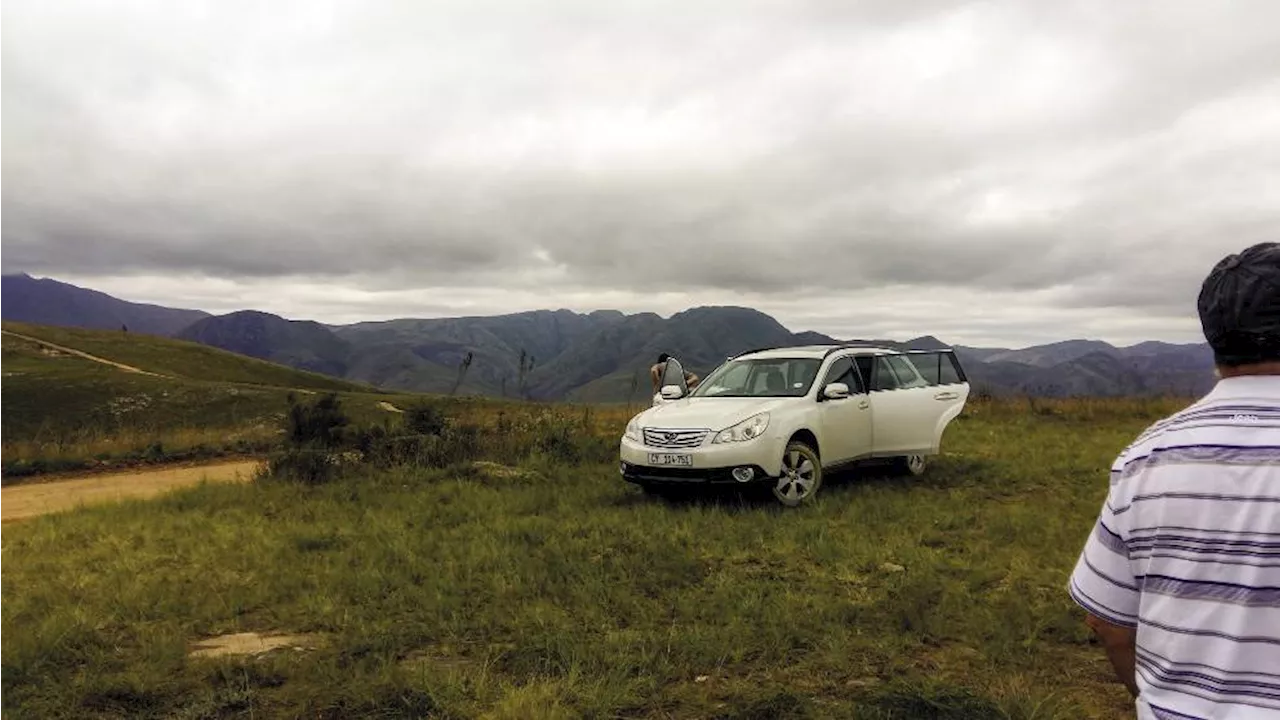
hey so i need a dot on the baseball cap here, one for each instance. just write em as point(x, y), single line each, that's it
point(1239, 306)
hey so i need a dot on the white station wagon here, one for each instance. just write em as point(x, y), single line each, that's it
point(783, 416)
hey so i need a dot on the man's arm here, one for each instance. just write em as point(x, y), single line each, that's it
point(692, 380)
point(1105, 586)
point(1120, 642)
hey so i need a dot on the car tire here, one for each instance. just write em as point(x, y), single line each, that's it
point(801, 475)
point(913, 465)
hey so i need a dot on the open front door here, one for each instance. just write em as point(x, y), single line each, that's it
point(673, 374)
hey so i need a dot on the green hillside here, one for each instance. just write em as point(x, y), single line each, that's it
point(63, 411)
point(181, 358)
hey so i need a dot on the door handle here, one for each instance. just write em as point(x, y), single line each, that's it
point(945, 396)
point(863, 405)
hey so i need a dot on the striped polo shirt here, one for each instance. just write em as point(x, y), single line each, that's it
point(1187, 550)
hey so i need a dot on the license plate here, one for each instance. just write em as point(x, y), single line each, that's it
point(670, 459)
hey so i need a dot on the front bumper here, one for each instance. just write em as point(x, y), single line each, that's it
point(710, 464)
point(649, 475)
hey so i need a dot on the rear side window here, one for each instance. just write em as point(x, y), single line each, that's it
point(937, 368)
point(906, 372)
point(950, 373)
point(928, 364)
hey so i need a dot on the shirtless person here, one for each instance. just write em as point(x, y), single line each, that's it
point(655, 374)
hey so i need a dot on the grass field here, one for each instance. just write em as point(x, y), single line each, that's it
point(554, 590)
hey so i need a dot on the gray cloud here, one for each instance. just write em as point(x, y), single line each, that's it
point(1104, 155)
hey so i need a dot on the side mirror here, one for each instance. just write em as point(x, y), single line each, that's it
point(672, 392)
point(835, 391)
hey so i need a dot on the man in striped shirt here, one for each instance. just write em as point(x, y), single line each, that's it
point(1180, 577)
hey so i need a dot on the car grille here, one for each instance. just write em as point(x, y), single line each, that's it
point(674, 439)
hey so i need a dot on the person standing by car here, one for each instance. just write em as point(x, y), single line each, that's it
point(1180, 577)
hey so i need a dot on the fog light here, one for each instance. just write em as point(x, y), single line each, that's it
point(622, 468)
point(743, 474)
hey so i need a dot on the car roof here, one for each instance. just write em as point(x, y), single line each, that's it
point(815, 351)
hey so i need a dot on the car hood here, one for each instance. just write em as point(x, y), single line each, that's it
point(713, 413)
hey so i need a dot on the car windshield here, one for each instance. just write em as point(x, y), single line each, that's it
point(760, 377)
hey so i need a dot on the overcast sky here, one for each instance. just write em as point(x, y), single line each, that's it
point(991, 173)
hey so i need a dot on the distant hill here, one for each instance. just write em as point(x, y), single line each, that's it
point(605, 355)
point(49, 302)
point(298, 343)
point(1053, 353)
point(701, 337)
point(424, 355)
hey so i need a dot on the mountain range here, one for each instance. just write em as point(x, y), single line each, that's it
point(589, 357)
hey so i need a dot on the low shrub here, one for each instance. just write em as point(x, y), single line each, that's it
point(423, 418)
point(320, 443)
point(315, 438)
point(317, 424)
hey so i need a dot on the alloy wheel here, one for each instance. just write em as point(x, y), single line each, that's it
point(801, 475)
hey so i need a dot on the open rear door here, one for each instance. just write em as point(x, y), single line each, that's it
point(948, 386)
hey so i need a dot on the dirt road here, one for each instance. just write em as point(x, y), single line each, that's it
point(25, 501)
point(81, 353)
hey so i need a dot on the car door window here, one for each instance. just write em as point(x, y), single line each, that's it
point(864, 363)
point(928, 365)
point(673, 374)
point(842, 371)
point(883, 377)
point(950, 373)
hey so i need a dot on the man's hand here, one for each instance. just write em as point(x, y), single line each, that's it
point(1119, 642)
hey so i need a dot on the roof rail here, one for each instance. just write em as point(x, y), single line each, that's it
point(756, 350)
point(870, 346)
point(853, 346)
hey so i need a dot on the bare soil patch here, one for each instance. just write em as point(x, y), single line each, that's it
point(25, 501)
point(250, 643)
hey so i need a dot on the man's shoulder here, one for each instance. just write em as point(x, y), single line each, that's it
point(1217, 420)
point(1157, 432)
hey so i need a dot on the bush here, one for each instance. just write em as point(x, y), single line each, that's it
point(315, 425)
point(320, 444)
point(564, 441)
point(452, 445)
point(424, 419)
point(315, 435)
point(298, 465)
point(379, 447)
point(558, 443)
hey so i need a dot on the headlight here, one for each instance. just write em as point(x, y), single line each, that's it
point(633, 430)
point(749, 429)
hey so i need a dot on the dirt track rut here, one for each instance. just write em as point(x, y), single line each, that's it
point(26, 501)
point(81, 353)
